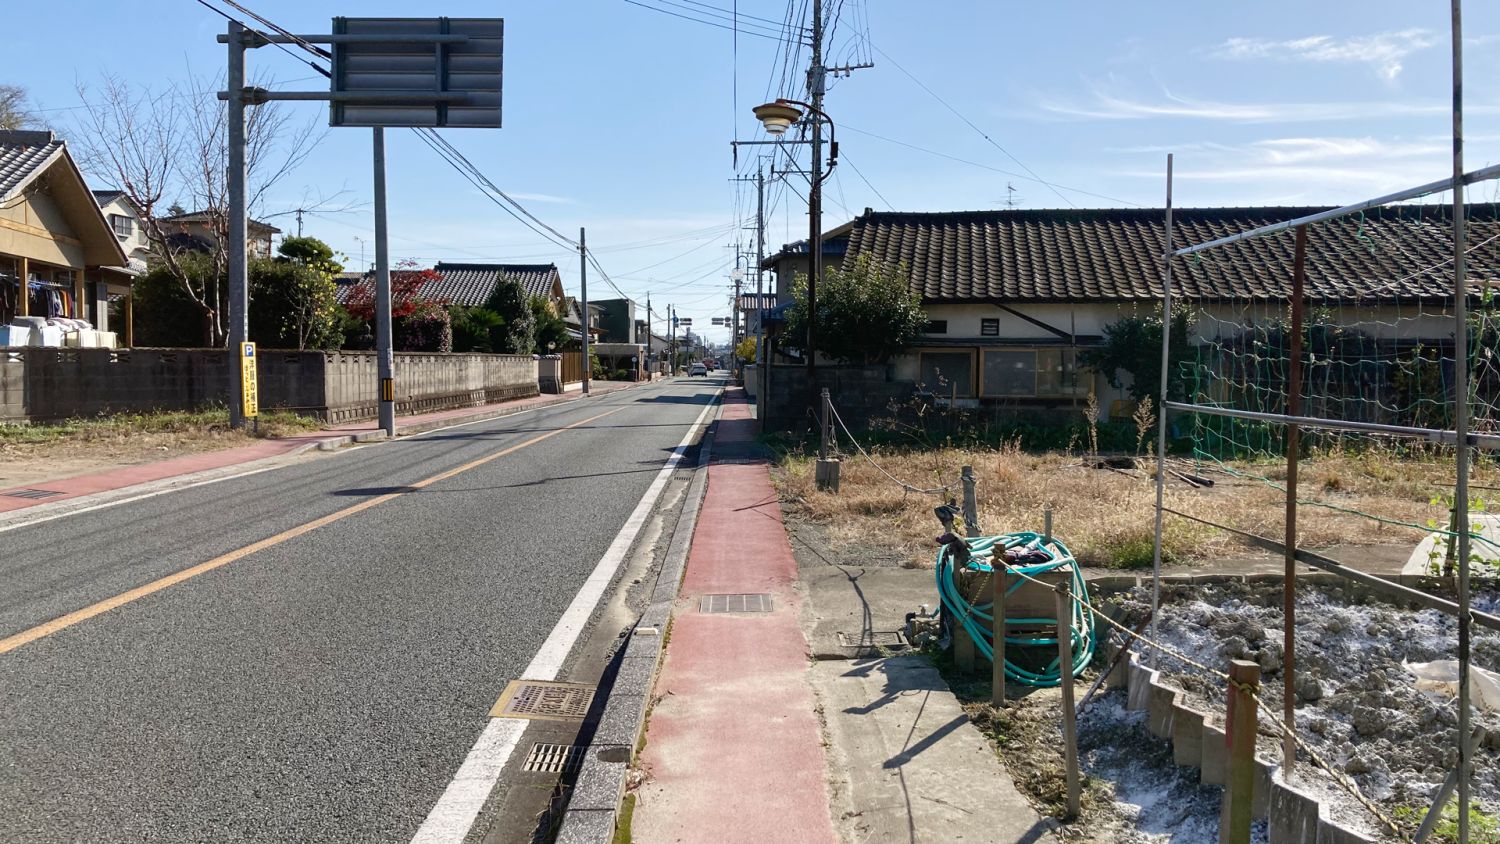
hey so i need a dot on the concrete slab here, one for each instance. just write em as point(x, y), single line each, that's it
point(1161, 701)
point(897, 737)
point(858, 601)
point(1213, 756)
point(587, 827)
point(1293, 816)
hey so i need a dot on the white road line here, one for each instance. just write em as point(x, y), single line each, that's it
point(450, 820)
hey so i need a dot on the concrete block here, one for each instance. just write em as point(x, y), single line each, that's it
point(1260, 801)
point(1329, 832)
point(1108, 584)
point(1215, 579)
point(1160, 702)
point(601, 782)
point(1321, 578)
point(622, 720)
point(1292, 815)
point(1187, 736)
point(1264, 579)
point(1215, 753)
point(586, 826)
point(1140, 679)
point(1177, 579)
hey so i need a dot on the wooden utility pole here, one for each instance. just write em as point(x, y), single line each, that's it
point(815, 75)
point(583, 284)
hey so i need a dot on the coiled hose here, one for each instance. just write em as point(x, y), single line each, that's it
point(976, 618)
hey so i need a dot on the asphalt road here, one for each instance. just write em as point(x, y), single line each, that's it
point(325, 688)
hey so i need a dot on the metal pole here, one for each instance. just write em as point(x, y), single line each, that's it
point(650, 364)
point(239, 330)
point(1461, 423)
point(760, 255)
point(1161, 422)
point(1293, 455)
point(815, 188)
point(583, 284)
point(1047, 525)
point(823, 440)
point(385, 358)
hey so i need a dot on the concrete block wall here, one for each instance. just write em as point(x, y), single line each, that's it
point(860, 393)
point(50, 384)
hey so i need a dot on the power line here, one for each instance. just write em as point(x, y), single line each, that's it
point(844, 158)
point(700, 20)
point(971, 125)
point(282, 47)
point(1011, 173)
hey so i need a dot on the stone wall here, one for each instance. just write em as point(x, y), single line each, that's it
point(46, 384)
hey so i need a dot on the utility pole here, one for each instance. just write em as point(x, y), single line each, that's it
point(583, 283)
point(239, 302)
point(734, 317)
point(815, 190)
point(299, 222)
point(671, 342)
point(648, 331)
point(385, 359)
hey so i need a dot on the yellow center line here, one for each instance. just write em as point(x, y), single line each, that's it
point(32, 634)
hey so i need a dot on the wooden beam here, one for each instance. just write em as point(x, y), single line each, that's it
point(25, 305)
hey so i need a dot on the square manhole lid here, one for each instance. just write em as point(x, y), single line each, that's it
point(872, 639)
point(554, 758)
point(755, 602)
point(34, 494)
point(544, 700)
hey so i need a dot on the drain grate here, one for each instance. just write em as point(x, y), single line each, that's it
point(34, 494)
point(758, 602)
point(554, 758)
point(544, 700)
point(873, 639)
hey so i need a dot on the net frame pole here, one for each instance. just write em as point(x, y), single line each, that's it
point(1161, 421)
point(1437, 435)
point(1293, 456)
point(1461, 422)
point(1444, 184)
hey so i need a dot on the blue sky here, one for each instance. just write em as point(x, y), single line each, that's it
point(619, 118)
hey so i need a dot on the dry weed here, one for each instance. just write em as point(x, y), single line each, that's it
point(1107, 517)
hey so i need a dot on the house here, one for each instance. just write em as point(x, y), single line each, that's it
point(792, 260)
point(198, 231)
point(126, 222)
point(617, 319)
point(53, 235)
point(1013, 296)
point(470, 285)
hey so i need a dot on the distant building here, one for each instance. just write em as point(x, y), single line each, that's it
point(197, 231)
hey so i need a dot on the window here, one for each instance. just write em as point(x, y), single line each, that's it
point(989, 327)
point(123, 225)
point(936, 326)
point(1031, 373)
point(947, 374)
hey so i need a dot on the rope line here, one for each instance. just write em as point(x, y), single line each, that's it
point(866, 455)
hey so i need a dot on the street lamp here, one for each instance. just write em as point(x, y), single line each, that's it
point(776, 117)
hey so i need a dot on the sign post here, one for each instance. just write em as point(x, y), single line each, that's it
point(420, 73)
point(249, 389)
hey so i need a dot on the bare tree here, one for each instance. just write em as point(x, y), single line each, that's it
point(171, 146)
point(13, 110)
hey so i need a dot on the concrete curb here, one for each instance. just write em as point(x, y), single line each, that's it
point(1293, 816)
point(594, 804)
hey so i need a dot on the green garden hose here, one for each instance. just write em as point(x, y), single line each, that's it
point(976, 618)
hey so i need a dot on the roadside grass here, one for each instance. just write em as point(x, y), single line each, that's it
point(1106, 516)
point(211, 423)
point(623, 820)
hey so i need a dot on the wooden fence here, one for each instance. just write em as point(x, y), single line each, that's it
point(572, 367)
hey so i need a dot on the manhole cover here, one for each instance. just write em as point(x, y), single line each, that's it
point(758, 602)
point(554, 758)
point(544, 700)
point(873, 639)
point(31, 493)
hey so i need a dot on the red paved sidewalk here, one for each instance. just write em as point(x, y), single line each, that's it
point(128, 476)
point(734, 748)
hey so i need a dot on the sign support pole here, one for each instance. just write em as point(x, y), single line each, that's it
point(383, 353)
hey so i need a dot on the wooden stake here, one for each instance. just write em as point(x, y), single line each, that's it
point(997, 629)
point(1070, 716)
point(1239, 737)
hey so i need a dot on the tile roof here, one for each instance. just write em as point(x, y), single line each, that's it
point(23, 156)
point(105, 197)
point(469, 285)
point(203, 217)
point(1114, 254)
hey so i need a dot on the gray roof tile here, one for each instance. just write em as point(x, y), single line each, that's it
point(22, 156)
point(1114, 254)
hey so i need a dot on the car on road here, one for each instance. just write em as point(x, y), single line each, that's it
point(698, 369)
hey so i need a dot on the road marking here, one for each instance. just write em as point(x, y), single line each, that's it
point(45, 629)
point(451, 819)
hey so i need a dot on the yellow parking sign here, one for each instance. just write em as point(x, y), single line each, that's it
point(250, 400)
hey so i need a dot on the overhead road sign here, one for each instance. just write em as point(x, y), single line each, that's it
point(449, 69)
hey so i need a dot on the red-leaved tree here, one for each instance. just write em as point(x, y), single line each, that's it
point(420, 321)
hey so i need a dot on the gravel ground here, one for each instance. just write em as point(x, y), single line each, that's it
point(1357, 704)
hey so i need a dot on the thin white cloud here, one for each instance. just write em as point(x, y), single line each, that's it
point(1385, 51)
point(1103, 105)
point(542, 197)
